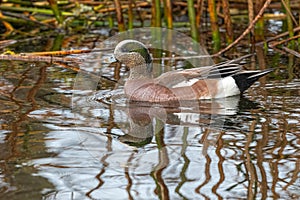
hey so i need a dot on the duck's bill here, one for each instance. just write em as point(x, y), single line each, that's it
point(110, 59)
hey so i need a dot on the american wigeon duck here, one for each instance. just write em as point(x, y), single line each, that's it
point(217, 81)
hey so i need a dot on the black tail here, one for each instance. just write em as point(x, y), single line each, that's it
point(245, 79)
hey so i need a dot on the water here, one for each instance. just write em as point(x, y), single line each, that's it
point(58, 141)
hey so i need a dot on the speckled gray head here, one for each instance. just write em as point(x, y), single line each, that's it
point(133, 53)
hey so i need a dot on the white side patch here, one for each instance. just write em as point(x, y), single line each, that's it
point(227, 87)
point(186, 83)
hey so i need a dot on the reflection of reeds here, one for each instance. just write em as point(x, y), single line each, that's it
point(227, 21)
point(163, 157)
point(252, 159)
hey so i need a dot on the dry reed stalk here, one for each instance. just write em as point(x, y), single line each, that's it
point(258, 16)
point(227, 19)
point(274, 44)
point(259, 26)
point(214, 25)
point(291, 51)
point(251, 17)
point(199, 12)
point(192, 18)
point(280, 35)
point(287, 7)
point(121, 25)
point(57, 53)
point(48, 59)
point(168, 13)
point(130, 14)
point(290, 25)
point(56, 11)
point(135, 5)
point(156, 14)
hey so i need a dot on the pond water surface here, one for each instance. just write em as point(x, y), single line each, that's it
point(60, 141)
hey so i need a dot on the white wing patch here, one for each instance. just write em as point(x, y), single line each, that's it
point(186, 83)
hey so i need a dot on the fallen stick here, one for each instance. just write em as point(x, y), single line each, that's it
point(273, 44)
point(31, 58)
point(293, 52)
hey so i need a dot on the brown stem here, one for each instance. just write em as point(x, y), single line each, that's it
point(227, 19)
point(120, 19)
point(267, 3)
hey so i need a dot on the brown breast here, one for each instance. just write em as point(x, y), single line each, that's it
point(147, 91)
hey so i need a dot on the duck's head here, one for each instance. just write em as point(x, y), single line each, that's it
point(134, 55)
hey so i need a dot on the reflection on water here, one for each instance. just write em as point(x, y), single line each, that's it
point(242, 148)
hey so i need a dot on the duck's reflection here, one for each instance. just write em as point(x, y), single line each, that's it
point(211, 114)
point(140, 129)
